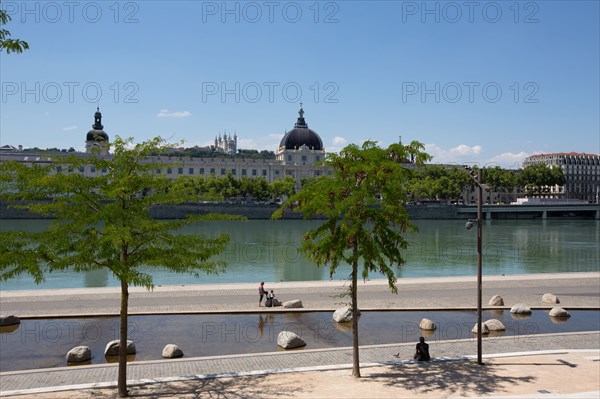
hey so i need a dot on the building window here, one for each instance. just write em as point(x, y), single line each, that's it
point(222, 171)
point(233, 172)
point(212, 171)
point(201, 171)
point(253, 172)
point(81, 169)
point(180, 171)
point(243, 172)
point(93, 169)
point(190, 171)
point(169, 171)
point(58, 169)
point(158, 171)
point(277, 172)
point(264, 172)
point(303, 158)
point(103, 170)
point(289, 158)
point(318, 157)
point(317, 173)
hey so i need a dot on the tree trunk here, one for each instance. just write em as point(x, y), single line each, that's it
point(122, 380)
point(354, 289)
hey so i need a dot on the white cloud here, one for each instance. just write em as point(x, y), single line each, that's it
point(337, 144)
point(509, 160)
point(164, 113)
point(471, 155)
point(464, 150)
point(69, 128)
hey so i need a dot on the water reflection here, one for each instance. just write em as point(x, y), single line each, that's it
point(265, 250)
point(44, 343)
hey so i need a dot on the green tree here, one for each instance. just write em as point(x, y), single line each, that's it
point(103, 222)
point(538, 178)
point(364, 217)
point(283, 187)
point(6, 43)
point(500, 179)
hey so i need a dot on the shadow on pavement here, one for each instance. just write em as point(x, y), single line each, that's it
point(238, 388)
point(451, 378)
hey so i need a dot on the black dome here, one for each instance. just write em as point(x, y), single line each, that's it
point(301, 135)
point(97, 134)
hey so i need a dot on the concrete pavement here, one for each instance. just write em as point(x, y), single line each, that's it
point(575, 290)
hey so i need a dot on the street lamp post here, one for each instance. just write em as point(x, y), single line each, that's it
point(477, 179)
point(479, 262)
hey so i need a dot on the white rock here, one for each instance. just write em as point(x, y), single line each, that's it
point(496, 300)
point(550, 298)
point(295, 303)
point(558, 312)
point(343, 315)
point(79, 354)
point(427, 324)
point(112, 348)
point(484, 328)
point(171, 351)
point(289, 340)
point(520, 308)
point(494, 325)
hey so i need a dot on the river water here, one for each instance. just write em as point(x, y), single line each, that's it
point(265, 250)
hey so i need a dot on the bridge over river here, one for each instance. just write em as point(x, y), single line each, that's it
point(584, 211)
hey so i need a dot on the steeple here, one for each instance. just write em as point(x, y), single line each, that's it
point(301, 122)
point(97, 120)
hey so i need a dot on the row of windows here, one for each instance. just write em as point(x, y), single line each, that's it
point(303, 158)
point(213, 171)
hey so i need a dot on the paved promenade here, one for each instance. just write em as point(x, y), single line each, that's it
point(194, 377)
point(575, 290)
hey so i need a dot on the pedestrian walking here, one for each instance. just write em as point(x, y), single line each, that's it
point(261, 292)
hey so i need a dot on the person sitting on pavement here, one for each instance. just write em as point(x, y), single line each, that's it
point(270, 298)
point(422, 351)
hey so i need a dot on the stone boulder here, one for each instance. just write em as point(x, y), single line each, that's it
point(558, 312)
point(112, 348)
point(289, 340)
point(496, 300)
point(494, 325)
point(484, 328)
point(171, 351)
point(9, 320)
point(79, 354)
point(294, 303)
point(520, 308)
point(550, 298)
point(343, 315)
point(427, 324)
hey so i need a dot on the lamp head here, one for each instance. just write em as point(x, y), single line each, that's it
point(469, 225)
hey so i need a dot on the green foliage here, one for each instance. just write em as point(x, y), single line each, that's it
point(538, 178)
point(362, 202)
point(6, 43)
point(102, 221)
point(283, 187)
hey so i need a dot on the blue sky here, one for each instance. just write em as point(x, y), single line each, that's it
point(477, 82)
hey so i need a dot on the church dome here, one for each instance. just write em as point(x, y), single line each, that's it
point(301, 135)
point(97, 134)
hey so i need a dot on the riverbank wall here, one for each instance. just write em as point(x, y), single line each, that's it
point(428, 211)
